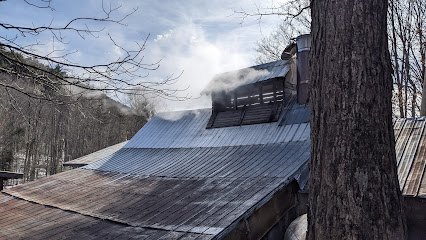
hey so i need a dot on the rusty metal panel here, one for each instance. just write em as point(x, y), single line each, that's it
point(26, 220)
point(189, 205)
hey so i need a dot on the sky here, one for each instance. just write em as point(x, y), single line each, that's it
point(198, 38)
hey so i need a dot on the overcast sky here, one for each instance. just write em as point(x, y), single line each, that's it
point(200, 38)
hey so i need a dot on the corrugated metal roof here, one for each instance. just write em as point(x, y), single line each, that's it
point(27, 220)
point(187, 129)
point(175, 175)
point(410, 149)
point(295, 113)
point(265, 160)
point(177, 179)
point(189, 205)
point(250, 75)
point(95, 156)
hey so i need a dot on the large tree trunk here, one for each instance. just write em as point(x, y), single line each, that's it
point(353, 191)
point(423, 105)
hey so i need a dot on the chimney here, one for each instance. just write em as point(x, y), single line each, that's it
point(303, 69)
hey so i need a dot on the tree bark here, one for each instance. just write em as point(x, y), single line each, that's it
point(354, 191)
point(423, 105)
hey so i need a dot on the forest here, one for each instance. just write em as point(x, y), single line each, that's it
point(38, 134)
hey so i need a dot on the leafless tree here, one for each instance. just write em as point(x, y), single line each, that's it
point(407, 47)
point(295, 20)
point(52, 109)
point(123, 75)
point(352, 139)
point(271, 47)
point(37, 136)
point(406, 43)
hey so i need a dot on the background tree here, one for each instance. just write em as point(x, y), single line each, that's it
point(296, 20)
point(122, 75)
point(407, 46)
point(37, 136)
point(353, 190)
point(52, 109)
point(406, 43)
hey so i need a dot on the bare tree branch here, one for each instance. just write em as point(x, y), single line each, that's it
point(122, 75)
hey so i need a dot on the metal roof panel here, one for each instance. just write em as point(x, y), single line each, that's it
point(187, 129)
point(160, 203)
point(95, 156)
point(22, 219)
point(410, 149)
point(207, 161)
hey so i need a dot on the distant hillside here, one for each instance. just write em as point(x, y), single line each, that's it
point(38, 135)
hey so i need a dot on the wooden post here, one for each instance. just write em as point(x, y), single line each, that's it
point(235, 100)
point(274, 89)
